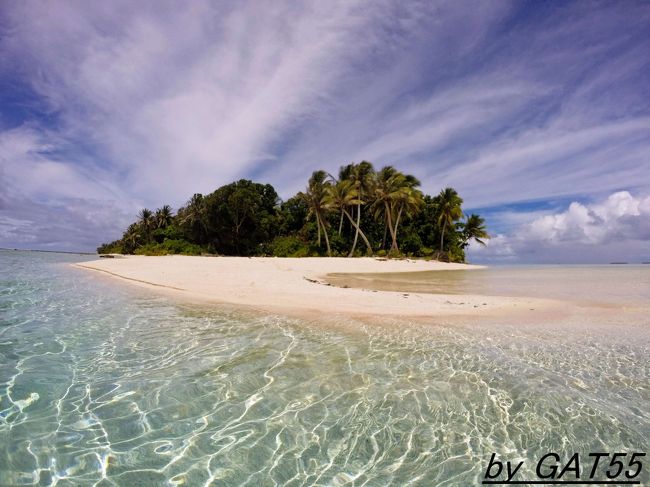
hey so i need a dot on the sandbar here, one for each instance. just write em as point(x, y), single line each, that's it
point(299, 285)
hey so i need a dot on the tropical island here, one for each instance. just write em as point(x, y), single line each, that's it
point(359, 212)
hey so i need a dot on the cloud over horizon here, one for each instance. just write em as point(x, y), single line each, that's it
point(109, 108)
point(617, 228)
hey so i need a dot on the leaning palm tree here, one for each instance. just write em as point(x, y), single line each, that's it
point(408, 201)
point(449, 211)
point(341, 196)
point(131, 238)
point(362, 175)
point(473, 228)
point(395, 194)
point(163, 217)
point(194, 211)
point(315, 197)
point(193, 217)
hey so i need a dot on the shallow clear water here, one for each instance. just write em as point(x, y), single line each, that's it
point(614, 284)
point(104, 384)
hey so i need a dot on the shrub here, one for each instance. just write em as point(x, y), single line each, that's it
point(339, 245)
point(456, 254)
point(410, 243)
point(183, 247)
point(170, 246)
point(111, 248)
point(289, 246)
point(171, 232)
point(301, 252)
point(426, 251)
point(151, 249)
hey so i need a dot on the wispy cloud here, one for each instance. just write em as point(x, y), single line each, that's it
point(130, 104)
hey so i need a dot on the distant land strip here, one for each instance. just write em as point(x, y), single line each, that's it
point(50, 251)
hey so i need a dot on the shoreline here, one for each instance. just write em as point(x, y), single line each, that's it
point(299, 286)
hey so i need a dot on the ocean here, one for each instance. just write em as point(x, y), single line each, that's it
point(103, 383)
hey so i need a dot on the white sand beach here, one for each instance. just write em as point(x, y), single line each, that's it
point(299, 285)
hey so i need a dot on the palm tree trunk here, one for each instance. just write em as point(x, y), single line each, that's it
point(356, 234)
point(320, 223)
point(318, 226)
point(363, 235)
point(341, 222)
point(442, 236)
point(327, 242)
point(389, 219)
point(383, 240)
point(399, 215)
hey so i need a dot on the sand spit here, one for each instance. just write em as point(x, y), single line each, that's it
point(298, 285)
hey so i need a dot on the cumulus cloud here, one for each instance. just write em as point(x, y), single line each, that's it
point(616, 229)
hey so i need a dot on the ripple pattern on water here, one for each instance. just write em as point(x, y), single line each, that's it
point(100, 386)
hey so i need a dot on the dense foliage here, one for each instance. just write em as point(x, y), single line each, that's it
point(359, 212)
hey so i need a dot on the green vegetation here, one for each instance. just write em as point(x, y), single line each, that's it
point(359, 212)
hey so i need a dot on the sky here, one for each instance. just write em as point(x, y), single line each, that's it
point(538, 113)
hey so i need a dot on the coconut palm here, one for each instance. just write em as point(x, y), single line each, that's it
point(395, 196)
point(449, 211)
point(131, 238)
point(145, 219)
point(193, 217)
point(315, 197)
point(194, 211)
point(383, 197)
point(407, 201)
point(362, 175)
point(340, 196)
point(163, 217)
point(473, 228)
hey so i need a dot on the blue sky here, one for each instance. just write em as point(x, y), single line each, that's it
point(538, 113)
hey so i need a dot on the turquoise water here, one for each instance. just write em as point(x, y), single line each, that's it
point(105, 384)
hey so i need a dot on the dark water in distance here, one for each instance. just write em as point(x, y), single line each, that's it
point(104, 384)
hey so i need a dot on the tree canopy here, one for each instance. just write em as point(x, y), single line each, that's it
point(362, 211)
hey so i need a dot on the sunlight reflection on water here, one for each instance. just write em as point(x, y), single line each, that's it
point(99, 381)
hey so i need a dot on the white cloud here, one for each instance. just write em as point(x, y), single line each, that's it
point(186, 98)
point(144, 103)
point(617, 228)
point(54, 204)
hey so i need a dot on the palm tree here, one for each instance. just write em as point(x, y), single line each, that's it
point(131, 238)
point(194, 211)
point(473, 228)
point(362, 175)
point(395, 195)
point(383, 198)
point(341, 196)
point(193, 216)
point(449, 211)
point(315, 197)
point(408, 200)
point(146, 221)
point(163, 217)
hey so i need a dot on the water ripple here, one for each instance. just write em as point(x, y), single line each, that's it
point(100, 386)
